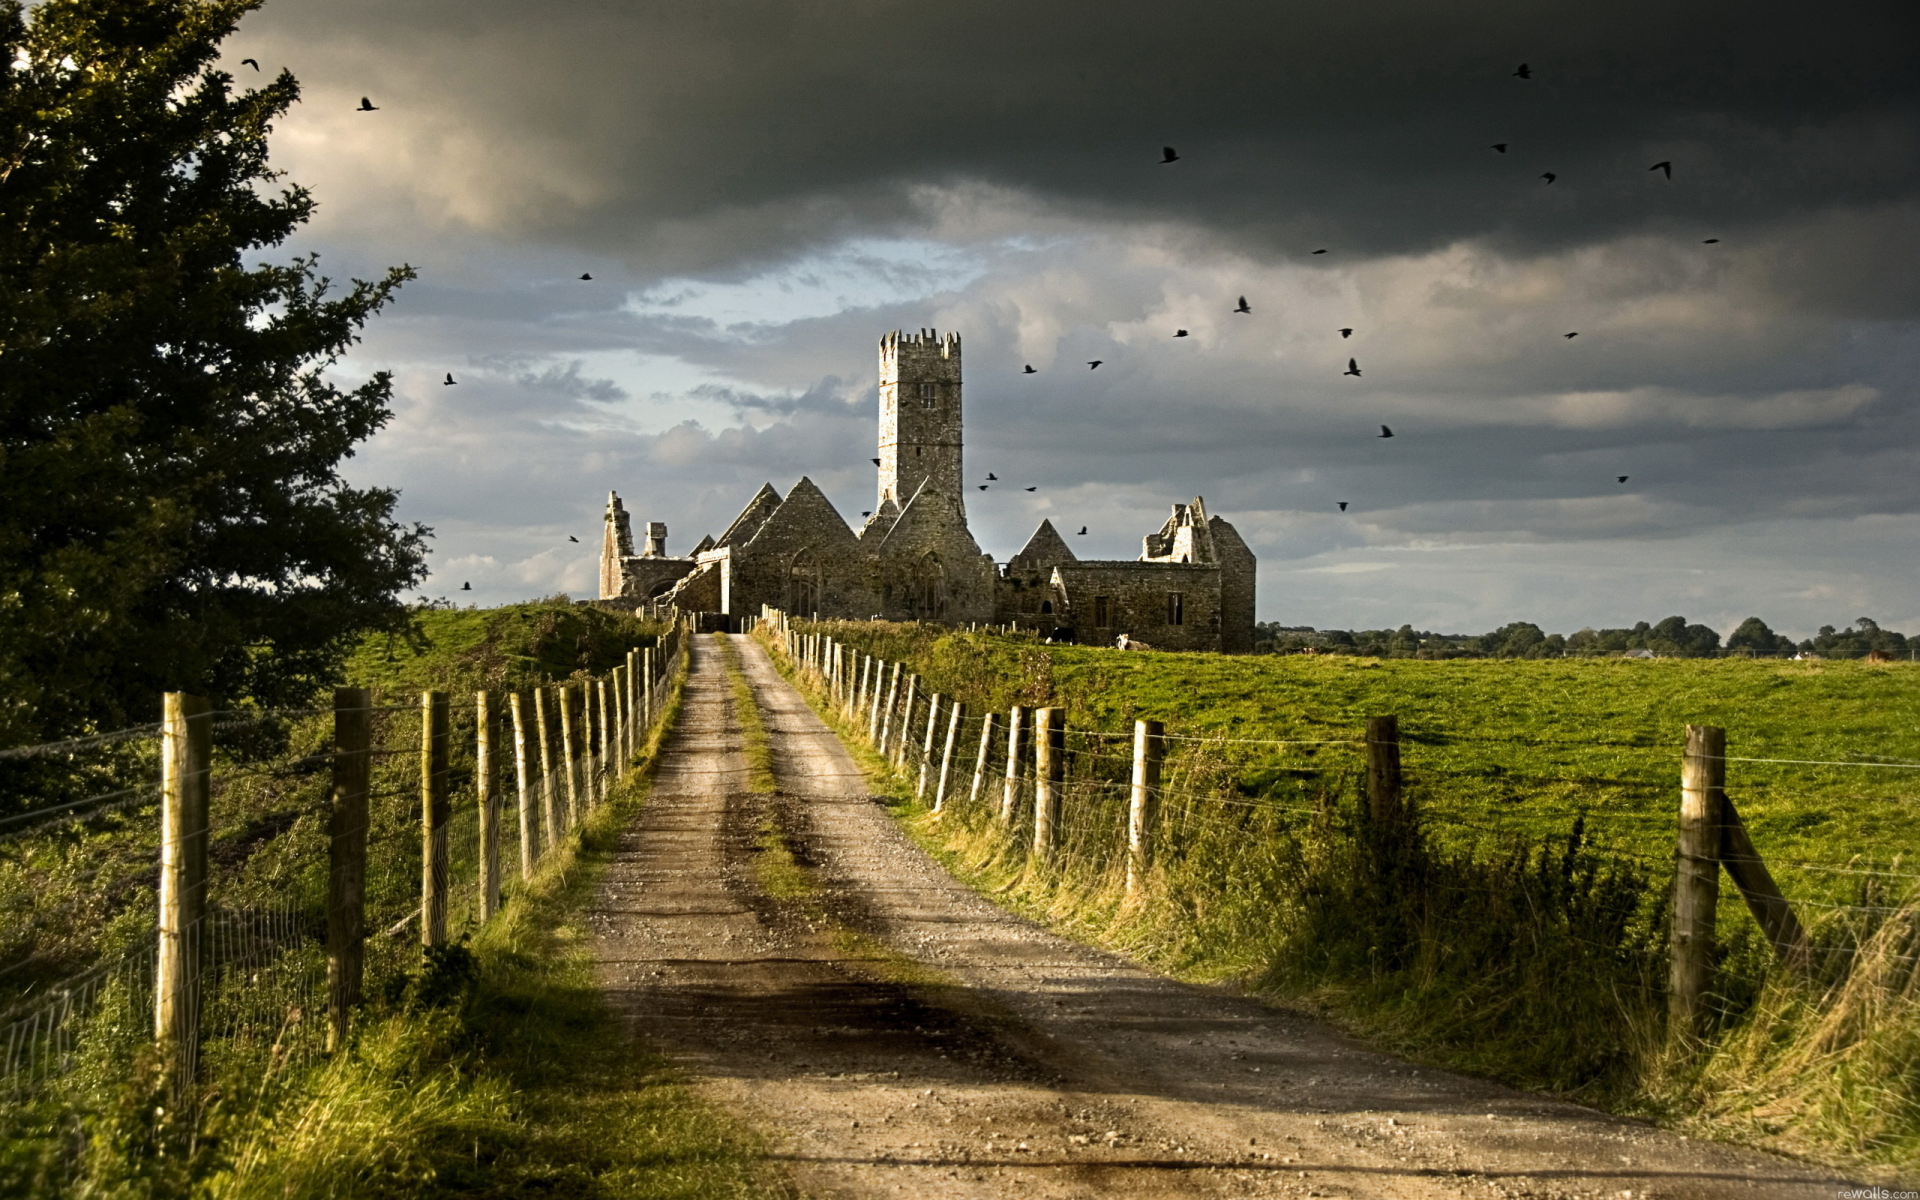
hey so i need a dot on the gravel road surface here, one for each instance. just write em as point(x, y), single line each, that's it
point(896, 1034)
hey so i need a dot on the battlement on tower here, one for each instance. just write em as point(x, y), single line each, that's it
point(928, 354)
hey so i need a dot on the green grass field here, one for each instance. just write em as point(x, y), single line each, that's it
point(1493, 745)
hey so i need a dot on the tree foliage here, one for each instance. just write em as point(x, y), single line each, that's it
point(172, 514)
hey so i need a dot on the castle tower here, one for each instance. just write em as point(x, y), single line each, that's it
point(616, 543)
point(920, 417)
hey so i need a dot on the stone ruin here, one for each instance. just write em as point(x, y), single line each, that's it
point(914, 558)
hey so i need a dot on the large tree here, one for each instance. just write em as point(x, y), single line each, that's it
point(172, 514)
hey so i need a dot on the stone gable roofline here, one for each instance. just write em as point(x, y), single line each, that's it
point(1044, 548)
point(806, 511)
point(751, 517)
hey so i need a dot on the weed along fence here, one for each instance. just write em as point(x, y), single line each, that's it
point(1150, 838)
point(234, 913)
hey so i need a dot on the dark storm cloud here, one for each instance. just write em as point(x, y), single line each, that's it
point(699, 136)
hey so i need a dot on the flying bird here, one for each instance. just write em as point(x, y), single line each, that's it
point(465, 587)
point(1549, 177)
point(983, 487)
point(1525, 72)
point(1500, 146)
point(367, 105)
point(1180, 333)
point(1663, 166)
point(1243, 306)
point(1621, 479)
point(250, 62)
point(1571, 336)
point(1033, 489)
point(572, 538)
point(992, 478)
point(586, 276)
point(1353, 369)
point(866, 514)
point(1029, 370)
point(449, 381)
point(1167, 155)
point(1385, 432)
point(1083, 529)
point(1346, 333)
point(1709, 241)
point(1343, 506)
point(876, 462)
point(1095, 364)
point(1319, 251)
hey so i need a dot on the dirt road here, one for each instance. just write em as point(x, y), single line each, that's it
point(897, 1034)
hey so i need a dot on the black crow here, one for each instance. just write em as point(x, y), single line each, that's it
point(1029, 370)
point(449, 381)
point(1180, 333)
point(1167, 155)
point(983, 487)
point(1243, 306)
point(1353, 369)
point(465, 587)
point(1709, 241)
point(1525, 72)
point(1663, 166)
point(1095, 364)
point(1570, 336)
point(992, 478)
point(866, 514)
point(1083, 529)
point(1500, 146)
point(367, 105)
point(1549, 177)
point(1033, 489)
point(1385, 432)
point(572, 538)
point(1319, 251)
point(1622, 479)
point(1346, 333)
point(1343, 506)
point(876, 462)
point(587, 276)
point(250, 62)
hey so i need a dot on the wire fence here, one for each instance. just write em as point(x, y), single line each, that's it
point(1199, 802)
point(459, 807)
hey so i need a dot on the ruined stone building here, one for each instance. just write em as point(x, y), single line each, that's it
point(1192, 588)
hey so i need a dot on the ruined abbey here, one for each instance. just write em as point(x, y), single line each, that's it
point(914, 559)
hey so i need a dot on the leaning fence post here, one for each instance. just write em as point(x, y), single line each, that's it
point(926, 745)
point(1017, 736)
point(528, 846)
point(989, 734)
point(956, 713)
point(1149, 748)
point(1696, 881)
point(347, 856)
point(1049, 778)
point(1764, 899)
point(435, 808)
point(186, 764)
point(486, 787)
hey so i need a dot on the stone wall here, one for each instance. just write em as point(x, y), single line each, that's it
point(920, 417)
point(1102, 600)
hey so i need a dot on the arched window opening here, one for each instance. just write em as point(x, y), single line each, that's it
point(803, 583)
point(1046, 607)
point(927, 590)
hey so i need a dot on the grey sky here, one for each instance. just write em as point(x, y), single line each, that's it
point(761, 190)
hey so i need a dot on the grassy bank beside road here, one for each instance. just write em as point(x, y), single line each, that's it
point(1518, 924)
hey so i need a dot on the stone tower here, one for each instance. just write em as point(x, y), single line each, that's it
point(616, 543)
point(919, 418)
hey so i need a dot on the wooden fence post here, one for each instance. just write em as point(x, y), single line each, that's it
point(634, 689)
point(1696, 880)
point(1149, 750)
point(186, 767)
point(926, 746)
point(529, 846)
point(956, 713)
point(1049, 778)
point(347, 857)
point(989, 735)
point(883, 701)
point(622, 716)
point(1764, 900)
point(1383, 771)
point(647, 715)
point(549, 802)
point(904, 731)
point(486, 786)
point(603, 764)
point(1017, 737)
point(569, 753)
point(435, 808)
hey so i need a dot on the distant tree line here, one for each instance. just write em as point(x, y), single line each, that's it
point(1674, 637)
